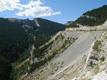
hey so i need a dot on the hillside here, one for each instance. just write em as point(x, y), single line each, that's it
point(17, 36)
point(93, 17)
point(41, 49)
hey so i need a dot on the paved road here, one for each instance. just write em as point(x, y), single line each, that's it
point(76, 50)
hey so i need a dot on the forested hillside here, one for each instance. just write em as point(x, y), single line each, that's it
point(16, 38)
point(94, 17)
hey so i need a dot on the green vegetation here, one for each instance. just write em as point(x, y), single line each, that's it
point(5, 69)
point(49, 27)
point(72, 25)
point(97, 46)
point(102, 58)
point(96, 17)
point(16, 38)
point(13, 42)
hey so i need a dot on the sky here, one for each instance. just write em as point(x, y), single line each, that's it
point(56, 10)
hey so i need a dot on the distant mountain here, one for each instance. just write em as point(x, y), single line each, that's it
point(16, 37)
point(49, 27)
point(94, 17)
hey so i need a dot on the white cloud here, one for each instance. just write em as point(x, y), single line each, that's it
point(10, 5)
point(35, 8)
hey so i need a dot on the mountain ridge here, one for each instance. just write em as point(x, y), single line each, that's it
point(93, 17)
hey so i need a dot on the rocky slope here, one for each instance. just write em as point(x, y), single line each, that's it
point(96, 65)
point(60, 42)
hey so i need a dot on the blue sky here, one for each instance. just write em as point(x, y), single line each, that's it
point(64, 10)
